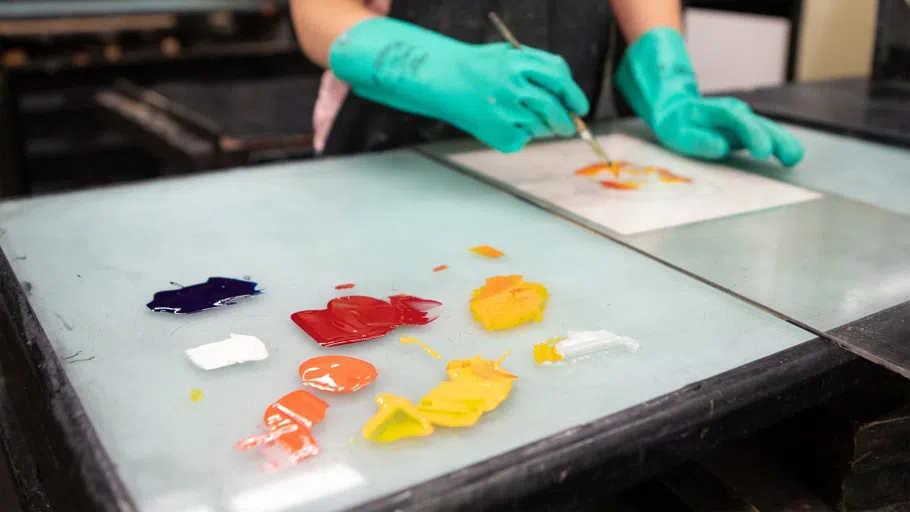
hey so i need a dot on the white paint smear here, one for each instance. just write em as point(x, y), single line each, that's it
point(545, 171)
point(581, 343)
point(239, 348)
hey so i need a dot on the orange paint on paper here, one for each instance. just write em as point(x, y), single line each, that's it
point(440, 268)
point(546, 352)
point(288, 422)
point(488, 251)
point(196, 395)
point(428, 350)
point(508, 301)
point(595, 169)
point(346, 286)
point(336, 374)
point(621, 185)
point(397, 418)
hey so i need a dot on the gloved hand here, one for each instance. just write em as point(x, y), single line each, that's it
point(501, 95)
point(657, 80)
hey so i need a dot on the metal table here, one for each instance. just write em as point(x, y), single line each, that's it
point(114, 429)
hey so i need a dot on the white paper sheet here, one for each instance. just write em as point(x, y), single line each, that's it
point(546, 171)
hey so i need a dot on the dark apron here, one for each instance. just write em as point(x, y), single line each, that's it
point(575, 29)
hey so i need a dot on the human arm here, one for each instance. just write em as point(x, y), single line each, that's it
point(501, 95)
point(657, 79)
point(318, 23)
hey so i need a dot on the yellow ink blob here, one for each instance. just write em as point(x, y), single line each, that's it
point(476, 386)
point(196, 395)
point(546, 351)
point(397, 418)
point(478, 369)
point(486, 250)
point(428, 350)
point(508, 301)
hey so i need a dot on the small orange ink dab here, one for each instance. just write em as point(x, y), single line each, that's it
point(440, 268)
point(428, 350)
point(196, 395)
point(621, 185)
point(397, 418)
point(288, 422)
point(508, 301)
point(346, 286)
point(486, 250)
point(546, 352)
point(668, 177)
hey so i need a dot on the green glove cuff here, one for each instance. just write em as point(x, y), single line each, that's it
point(655, 72)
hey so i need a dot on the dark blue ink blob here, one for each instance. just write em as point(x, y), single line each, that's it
point(216, 292)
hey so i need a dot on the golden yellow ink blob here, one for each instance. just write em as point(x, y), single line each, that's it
point(546, 351)
point(486, 250)
point(196, 395)
point(508, 301)
point(476, 386)
point(428, 350)
point(397, 418)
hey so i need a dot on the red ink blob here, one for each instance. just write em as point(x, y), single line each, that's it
point(346, 286)
point(336, 374)
point(357, 318)
point(440, 268)
point(289, 421)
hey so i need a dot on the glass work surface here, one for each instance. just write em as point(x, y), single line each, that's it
point(824, 262)
point(51, 9)
point(93, 259)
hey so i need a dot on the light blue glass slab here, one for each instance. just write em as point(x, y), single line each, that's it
point(383, 221)
point(823, 263)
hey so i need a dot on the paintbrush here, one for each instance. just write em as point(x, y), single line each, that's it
point(580, 125)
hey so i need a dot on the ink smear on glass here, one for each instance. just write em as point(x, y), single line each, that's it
point(508, 301)
point(346, 286)
point(475, 386)
point(288, 421)
point(237, 349)
point(358, 318)
point(336, 374)
point(216, 292)
point(428, 350)
point(578, 344)
point(440, 268)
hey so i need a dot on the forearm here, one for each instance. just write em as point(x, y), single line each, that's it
point(318, 23)
point(636, 17)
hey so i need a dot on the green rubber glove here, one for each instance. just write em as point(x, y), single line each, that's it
point(499, 94)
point(657, 80)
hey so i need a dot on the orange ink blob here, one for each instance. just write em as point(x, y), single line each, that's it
point(397, 418)
point(288, 422)
point(486, 250)
point(346, 286)
point(440, 268)
point(428, 350)
point(475, 386)
point(196, 395)
point(336, 374)
point(508, 301)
